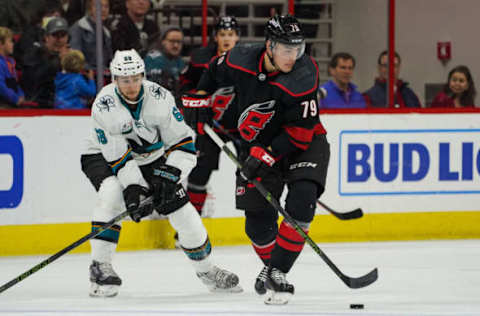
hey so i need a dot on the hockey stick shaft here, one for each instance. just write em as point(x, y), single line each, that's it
point(353, 283)
point(74, 245)
point(356, 213)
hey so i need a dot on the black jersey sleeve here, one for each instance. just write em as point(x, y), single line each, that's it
point(299, 108)
point(215, 76)
point(301, 123)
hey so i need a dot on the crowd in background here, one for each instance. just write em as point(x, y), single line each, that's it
point(48, 58)
point(459, 90)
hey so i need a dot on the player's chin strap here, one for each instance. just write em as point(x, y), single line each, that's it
point(127, 100)
point(272, 61)
point(119, 92)
point(353, 283)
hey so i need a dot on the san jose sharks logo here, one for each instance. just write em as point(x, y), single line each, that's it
point(105, 103)
point(157, 92)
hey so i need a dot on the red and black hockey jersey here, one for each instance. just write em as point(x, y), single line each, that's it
point(222, 98)
point(275, 109)
point(199, 61)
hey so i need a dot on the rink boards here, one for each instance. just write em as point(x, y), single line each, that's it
point(415, 175)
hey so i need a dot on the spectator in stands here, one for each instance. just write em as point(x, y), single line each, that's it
point(10, 92)
point(33, 35)
point(377, 95)
point(163, 63)
point(42, 63)
point(341, 92)
point(83, 35)
point(73, 90)
point(133, 30)
point(74, 10)
point(458, 92)
point(13, 16)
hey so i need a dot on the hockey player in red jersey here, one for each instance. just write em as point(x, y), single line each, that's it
point(227, 33)
point(284, 142)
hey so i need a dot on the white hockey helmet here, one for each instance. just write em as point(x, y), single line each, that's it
point(126, 63)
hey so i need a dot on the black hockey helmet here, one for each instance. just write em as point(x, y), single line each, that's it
point(227, 23)
point(284, 29)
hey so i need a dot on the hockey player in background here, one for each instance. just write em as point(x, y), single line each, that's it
point(227, 32)
point(139, 147)
point(276, 108)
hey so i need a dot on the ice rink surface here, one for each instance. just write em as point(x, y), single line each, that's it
point(415, 278)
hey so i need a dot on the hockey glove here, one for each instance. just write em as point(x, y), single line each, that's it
point(259, 158)
point(164, 183)
point(197, 111)
point(133, 195)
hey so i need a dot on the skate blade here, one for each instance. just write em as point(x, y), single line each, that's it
point(277, 298)
point(235, 289)
point(97, 290)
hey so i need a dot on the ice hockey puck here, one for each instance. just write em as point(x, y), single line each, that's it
point(356, 306)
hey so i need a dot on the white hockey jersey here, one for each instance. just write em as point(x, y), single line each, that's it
point(129, 139)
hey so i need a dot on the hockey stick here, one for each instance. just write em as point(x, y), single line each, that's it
point(356, 213)
point(353, 283)
point(74, 245)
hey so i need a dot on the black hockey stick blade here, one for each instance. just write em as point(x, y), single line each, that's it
point(353, 283)
point(74, 245)
point(363, 281)
point(356, 213)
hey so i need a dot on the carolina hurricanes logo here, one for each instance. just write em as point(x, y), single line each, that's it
point(254, 119)
point(221, 100)
point(240, 191)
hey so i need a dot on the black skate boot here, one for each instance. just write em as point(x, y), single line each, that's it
point(279, 291)
point(219, 280)
point(260, 281)
point(105, 282)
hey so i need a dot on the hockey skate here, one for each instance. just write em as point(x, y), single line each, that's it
point(219, 280)
point(279, 291)
point(260, 281)
point(104, 281)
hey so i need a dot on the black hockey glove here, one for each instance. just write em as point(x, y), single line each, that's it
point(133, 195)
point(164, 183)
point(197, 111)
point(258, 159)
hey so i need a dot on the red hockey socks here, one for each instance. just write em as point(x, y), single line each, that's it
point(264, 251)
point(289, 244)
point(197, 197)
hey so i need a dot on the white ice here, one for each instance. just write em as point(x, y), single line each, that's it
point(415, 278)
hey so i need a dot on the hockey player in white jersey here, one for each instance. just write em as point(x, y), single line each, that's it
point(139, 148)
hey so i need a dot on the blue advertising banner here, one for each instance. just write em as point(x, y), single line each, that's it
point(13, 147)
point(423, 161)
